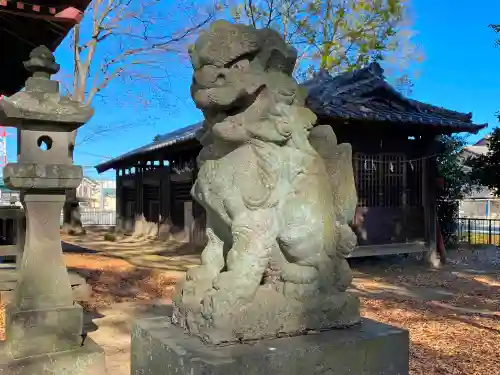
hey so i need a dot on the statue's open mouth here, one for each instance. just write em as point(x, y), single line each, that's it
point(243, 103)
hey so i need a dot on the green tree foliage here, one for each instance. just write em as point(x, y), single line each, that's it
point(485, 169)
point(456, 184)
point(337, 35)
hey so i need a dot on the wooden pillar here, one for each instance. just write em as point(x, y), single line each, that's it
point(404, 204)
point(430, 205)
point(165, 198)
point(139, 195)
point(120, 204)
point(425, 197)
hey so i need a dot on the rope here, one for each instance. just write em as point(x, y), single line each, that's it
point(401, 161)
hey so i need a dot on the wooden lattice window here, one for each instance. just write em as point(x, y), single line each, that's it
point(130, 209)
point(387, 180)
point(414, 182)
point(153, 211)
point(181, 191)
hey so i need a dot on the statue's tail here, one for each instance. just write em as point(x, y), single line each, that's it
point(338, 161)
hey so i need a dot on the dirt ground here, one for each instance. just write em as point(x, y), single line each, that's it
point(452, 313)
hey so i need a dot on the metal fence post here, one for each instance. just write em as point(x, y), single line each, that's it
point(489, 231)
point(468, 232)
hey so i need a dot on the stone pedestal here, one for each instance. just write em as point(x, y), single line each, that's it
point(43, 323)
point(82, 360)
point(159, 348)
point(35, 332)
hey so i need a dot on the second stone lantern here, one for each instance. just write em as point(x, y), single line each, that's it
point(43, 323)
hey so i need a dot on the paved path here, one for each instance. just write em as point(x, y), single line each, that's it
point(111, 330)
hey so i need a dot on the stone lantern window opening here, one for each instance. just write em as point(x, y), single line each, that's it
point(44, 142)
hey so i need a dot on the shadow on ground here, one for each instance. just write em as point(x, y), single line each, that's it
point(170, 255)
point(115, 286)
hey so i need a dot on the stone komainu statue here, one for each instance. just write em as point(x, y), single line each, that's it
point(278, 193)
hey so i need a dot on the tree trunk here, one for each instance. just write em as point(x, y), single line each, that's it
point(72, 222)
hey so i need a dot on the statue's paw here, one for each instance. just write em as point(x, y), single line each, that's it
point(218, 303)
point(207, 304)
point(199, 273)
point(225, 281)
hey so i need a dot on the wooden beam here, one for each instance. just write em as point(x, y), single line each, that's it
point(9, 250)
point(388, 249)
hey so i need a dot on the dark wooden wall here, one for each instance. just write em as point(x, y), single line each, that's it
point(389, 167)
point(159, 191)
point(392, 173)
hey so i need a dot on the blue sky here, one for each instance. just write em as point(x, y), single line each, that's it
point(459, 72)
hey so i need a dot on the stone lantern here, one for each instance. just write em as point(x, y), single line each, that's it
point(43, 319)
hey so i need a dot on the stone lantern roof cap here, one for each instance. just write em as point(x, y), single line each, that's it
point(41, 106)
point(42, 62)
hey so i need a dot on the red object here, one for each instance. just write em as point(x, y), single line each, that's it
point(440, 182)
point(70, 14)
point(439, 241)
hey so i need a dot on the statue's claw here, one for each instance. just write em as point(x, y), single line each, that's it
point(200, 273)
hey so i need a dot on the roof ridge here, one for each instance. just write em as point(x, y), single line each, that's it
point(181, 134)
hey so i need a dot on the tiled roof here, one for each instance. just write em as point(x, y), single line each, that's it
point(163, 141)
point(483, 141)
point(365, 95)
point(360, 95)
point(477, 150)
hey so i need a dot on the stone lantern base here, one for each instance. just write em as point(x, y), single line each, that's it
point(35, 332)
point(84, 360)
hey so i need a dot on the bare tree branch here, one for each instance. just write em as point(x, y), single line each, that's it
point(128, 35)
point(124, 41)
